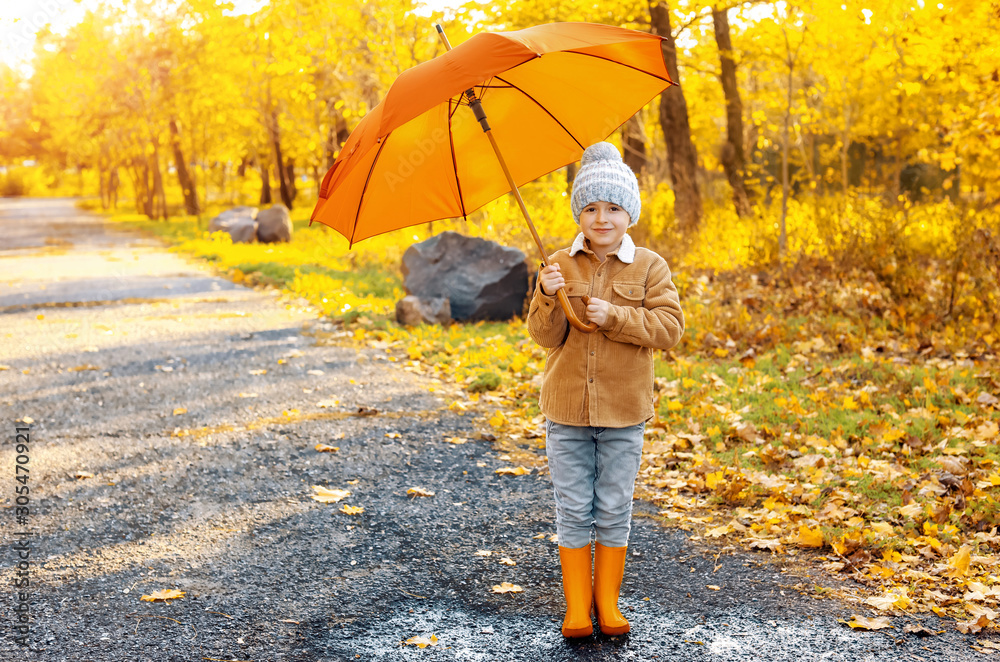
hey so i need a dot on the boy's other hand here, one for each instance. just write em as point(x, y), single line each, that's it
point(551, 280)
point(597, 311)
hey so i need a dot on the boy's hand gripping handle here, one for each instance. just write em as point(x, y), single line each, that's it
point(571, 317)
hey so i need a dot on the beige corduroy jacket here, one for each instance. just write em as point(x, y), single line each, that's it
point(605, 378)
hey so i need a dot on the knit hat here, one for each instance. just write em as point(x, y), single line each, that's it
point(604, 177)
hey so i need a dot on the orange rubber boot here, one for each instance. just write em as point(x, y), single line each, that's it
point(609, 568)
point(578, 591)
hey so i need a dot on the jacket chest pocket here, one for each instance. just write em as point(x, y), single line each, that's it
point(577, 288)
point(628, 294)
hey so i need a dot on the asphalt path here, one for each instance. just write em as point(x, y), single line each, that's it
point(172, 419)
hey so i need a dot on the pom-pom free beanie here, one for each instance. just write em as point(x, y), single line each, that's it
point(604, 177)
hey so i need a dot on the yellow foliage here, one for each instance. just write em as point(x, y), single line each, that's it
point(810, 537)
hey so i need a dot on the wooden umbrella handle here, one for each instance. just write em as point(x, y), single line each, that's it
point(571, 317)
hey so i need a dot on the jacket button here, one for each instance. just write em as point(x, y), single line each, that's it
point(630, 291)
point(591, 380)
point(592, 353)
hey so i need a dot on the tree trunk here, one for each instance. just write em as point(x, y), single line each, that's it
point(159, 197)
point(681, 154)
point(733, 157)
point(103, 183)
point(846, 143)
point(140, 179)
point(283, 187)
point(290, 174)
point(113, 183)
point(331, 147)
point(265, 183)
point(184, 178)
point(339, 133)
point(571, 170)
point(634, 144)
point(783, 236)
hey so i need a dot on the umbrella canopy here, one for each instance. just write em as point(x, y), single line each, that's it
point(548, 91)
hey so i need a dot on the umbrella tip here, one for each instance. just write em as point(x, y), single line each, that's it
point(437, 26)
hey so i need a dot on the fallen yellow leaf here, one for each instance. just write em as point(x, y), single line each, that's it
point(810, 537)
point(513, 471)
point(507, 587)
point(895, 599)
point(419, 491)
point(180, 410)
point(323, 448)
point(972, 626)
point(422, 642)
point(165, 594)
point(958, 565)
point(719, 531)
point(324, 495)
point(862, 623)
point(352, 510)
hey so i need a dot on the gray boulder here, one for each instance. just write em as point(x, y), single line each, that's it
point(243, 231)
point(412, 310)
point(226, 219)
point(274, 224)
point(482, 279)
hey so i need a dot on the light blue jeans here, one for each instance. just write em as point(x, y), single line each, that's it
point(593, 476)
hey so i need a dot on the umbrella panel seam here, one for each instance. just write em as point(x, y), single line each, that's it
point(623, 64)
point(454, 161)
point(546, 110)
point(361, 200)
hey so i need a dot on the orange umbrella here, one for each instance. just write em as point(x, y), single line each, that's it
point(550, 91)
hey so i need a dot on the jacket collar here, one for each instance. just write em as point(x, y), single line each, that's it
point(625, 252)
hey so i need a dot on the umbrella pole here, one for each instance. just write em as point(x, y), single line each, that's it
point(477, 108)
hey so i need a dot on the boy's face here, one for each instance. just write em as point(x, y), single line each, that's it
point(604, 224)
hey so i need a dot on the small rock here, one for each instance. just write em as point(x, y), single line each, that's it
point(230, 216)
point(239, 222)
point(413, 310)
point(243, 231)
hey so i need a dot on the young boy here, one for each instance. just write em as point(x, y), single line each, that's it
point(597, 390)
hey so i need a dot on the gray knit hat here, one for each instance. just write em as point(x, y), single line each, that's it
point(604, 177)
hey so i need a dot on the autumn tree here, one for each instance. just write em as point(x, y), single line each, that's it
point(681, 151)
point(732, 154)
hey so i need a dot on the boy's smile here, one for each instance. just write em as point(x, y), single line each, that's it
point(604, 225)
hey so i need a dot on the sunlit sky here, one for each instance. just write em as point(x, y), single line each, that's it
point(21, 20)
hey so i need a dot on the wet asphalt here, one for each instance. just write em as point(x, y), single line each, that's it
point(175, 416)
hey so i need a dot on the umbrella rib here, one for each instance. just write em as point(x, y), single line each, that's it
point(454, 162)
point(361, 200)
point(622, 64)
point(546, 110)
